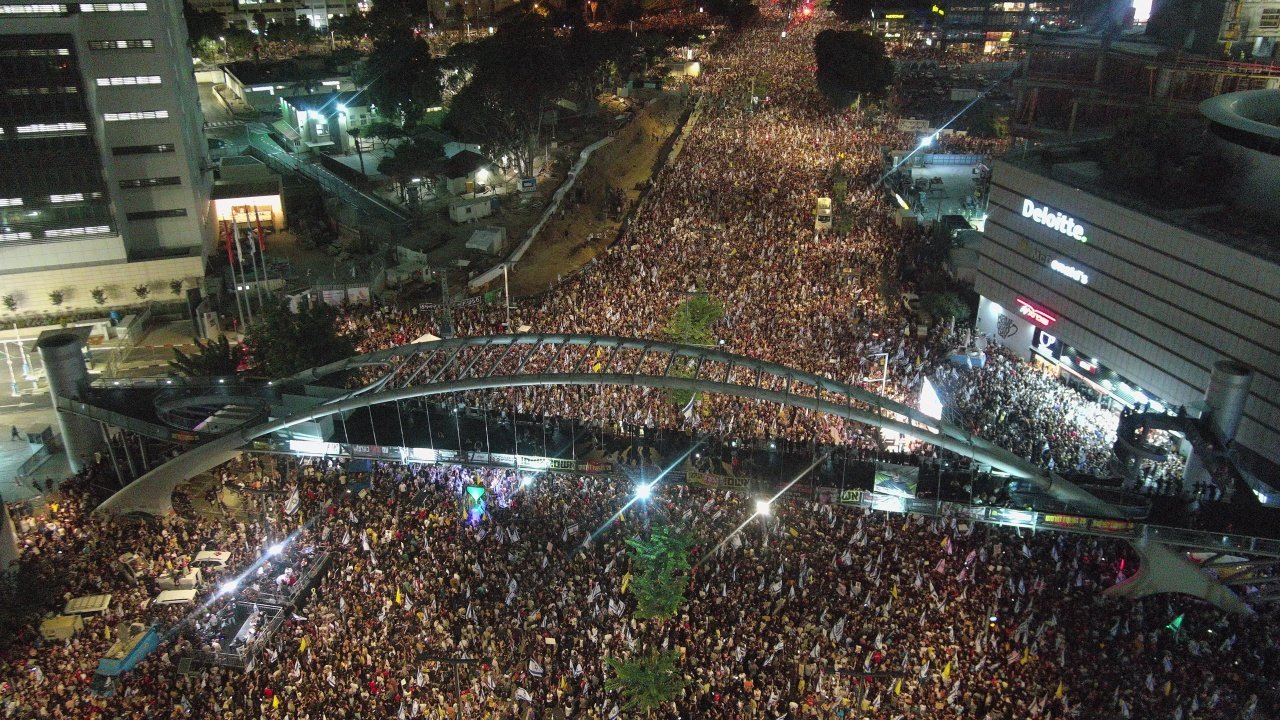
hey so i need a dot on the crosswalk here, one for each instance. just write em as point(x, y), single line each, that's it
point(223, 124)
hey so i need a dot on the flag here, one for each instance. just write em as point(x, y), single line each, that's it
point(275, 701)
point(897, 687)
point(302, 646)
point(1062, 690)
point(399, 597)
point(626, 580)
point(613, 711)
point(535, 669)
point(946, 671)
point(522, 694)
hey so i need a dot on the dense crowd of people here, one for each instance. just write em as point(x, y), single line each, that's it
point(783, 618)
point(732, 217)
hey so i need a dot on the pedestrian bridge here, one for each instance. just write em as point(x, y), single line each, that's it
point(457, 365)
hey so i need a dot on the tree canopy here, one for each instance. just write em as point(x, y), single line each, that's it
point(1151, 153)
point(851, 64)
point(518, 74)
point(282, 343)
point(401, 78)
point(648, 682)
point(212, 358)
point(693, 321)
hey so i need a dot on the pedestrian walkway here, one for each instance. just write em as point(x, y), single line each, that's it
point(281, 161)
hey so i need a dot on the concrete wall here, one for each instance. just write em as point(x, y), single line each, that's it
point(32, 289)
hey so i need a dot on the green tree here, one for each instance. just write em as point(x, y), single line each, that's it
point(693, 321)
point(945, 306)
point(281, 343)
point(518, 75)
point(212, 358)
point(202, 24)
point(986, 120)
point(28, 591)
point(648, 682)
point(400, 76)
point(412, 158)
point(851, 64)
point(660, 564)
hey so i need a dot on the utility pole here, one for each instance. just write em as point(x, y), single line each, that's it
point(506, 293)
point(456, 662)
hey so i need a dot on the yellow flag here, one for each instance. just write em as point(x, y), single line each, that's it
point(275, 701)
point(564, 683)
point(399, 597)
point(1057, 694)
point(793, 532)
point(897, 687)
point(894, 592)
point(946, 671)
point(1026, 656)
point(944, 542)
point(302, 646)
point(106, 630)
point(626, 580)
point(1168, 687)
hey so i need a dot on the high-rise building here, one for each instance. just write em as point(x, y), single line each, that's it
point(105, 180)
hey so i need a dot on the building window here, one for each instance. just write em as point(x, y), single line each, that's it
point(122, 44)
point(72, 232)
point(10, 202)
point(60, 90)
point(33, 9)
point(149, 182)
point(156, 214)
point(144, 115)
point(113, 7)
point(35, 52)
point(62, 127)
point(15, 236)
point(72, 197)
point(129, 80)
point(142, 149)
point(1270, 19)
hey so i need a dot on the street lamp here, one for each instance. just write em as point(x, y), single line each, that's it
point(225, 51)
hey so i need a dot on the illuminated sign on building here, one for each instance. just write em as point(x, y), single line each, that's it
point(1035, 313)
point(1070, 271)
point(1053, 219)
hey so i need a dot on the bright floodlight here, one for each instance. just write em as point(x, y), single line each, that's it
point(644, 491)
point(926, 141)
point(526, 480)
point(482, 176)
point(275, 549)
point(763, 508)
point(228, 587)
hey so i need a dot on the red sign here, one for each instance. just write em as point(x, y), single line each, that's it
point(1035, 313)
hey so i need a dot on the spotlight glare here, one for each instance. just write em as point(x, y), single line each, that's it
point(644, 491)
point(763, 507)
point(275, 549)
point(228, 587)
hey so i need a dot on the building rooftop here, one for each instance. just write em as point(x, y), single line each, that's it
point(327, 103)
point(266, 72)
point(1234, 227)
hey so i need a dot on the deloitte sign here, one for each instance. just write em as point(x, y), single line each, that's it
point(1051, 218)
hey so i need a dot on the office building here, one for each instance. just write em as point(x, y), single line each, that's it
point(105, 180)
point(1131, 302)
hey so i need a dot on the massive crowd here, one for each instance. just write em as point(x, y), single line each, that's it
point(782, 620)
point(971, 622)
point(732, 216)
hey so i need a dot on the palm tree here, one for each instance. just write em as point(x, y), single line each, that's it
point(212, 359)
